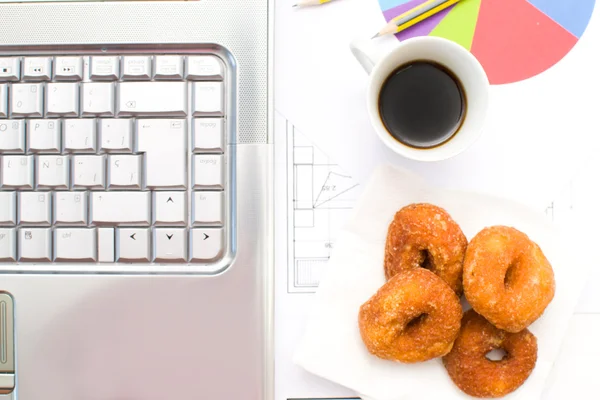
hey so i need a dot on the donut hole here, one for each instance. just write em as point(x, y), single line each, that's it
point(415, 322)
point(497, 354)
point(426, 260)
point(509, 275)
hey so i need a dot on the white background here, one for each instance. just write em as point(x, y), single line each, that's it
point(539, 147)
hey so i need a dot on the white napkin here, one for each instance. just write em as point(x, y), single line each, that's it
point(332, 347)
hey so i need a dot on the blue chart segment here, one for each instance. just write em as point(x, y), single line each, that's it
point(573, 15)
point(388, 4)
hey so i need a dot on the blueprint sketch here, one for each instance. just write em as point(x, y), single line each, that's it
point(321, 196)
point(313, 199)
point(578, 199)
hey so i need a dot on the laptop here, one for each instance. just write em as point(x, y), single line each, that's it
point(135, 200)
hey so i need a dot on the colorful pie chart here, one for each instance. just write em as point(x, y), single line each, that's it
point(513, 39)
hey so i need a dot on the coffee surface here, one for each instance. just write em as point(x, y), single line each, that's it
point(422, 104)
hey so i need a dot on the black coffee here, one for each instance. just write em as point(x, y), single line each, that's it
point(422, 104)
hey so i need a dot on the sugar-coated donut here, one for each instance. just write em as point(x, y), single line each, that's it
point(507, 279)
point(414, 317)
point(478, 376)
point(424, 235)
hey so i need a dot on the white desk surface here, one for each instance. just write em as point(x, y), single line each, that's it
point(540, 147)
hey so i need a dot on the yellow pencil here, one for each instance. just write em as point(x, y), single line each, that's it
point(414, 16)
point(307, 3)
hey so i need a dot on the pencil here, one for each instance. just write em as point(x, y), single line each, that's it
point(307, 3)
point(414, 16)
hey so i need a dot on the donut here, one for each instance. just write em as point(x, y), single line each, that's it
point(413, 317)
point(474, 373)
point(424, 235)
point(507, 279)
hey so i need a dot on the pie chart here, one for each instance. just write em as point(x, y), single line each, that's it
point(513, 39)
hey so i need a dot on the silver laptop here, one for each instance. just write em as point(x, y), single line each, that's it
point(135, 200)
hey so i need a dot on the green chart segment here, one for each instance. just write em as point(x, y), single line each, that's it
point(513, 39)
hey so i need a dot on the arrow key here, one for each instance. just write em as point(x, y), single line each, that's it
point(133, 245)
point(207, 245)
point(170, 245)
point(169, 208)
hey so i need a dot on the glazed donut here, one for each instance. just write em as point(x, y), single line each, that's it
point(507, 279)
point(424, 235)
point(478, 376)
point(414, 317)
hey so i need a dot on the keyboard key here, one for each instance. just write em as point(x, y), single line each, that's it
point(79, 135)
point(208, 99)
point(104, 68)
point(137, 67)
point(164, 143)
point(68, 68)
point(120, 208)
point(3, 100)
point(207, 208)
point(8, 211)
point(208, 135)
point(170, 208)
point(124, 171)
point(52, 172)
point(204, 68)
point(37, 68)
point(106, 245)
point(168, 67)
point(27, 99)
point(43, 136)
point(115, 135)
point(10, 69)
point(209, 171)
point(206, 245)
point(152, 99)
point(17, 172)
point(35, 208)
point(133, 245)
point(98, 99)
point(8, 245)
point(70, 208)
point(62, 99)
point(34, 245)
point(170, 245)
point(75, 244)
point(12, 136)
point(88, 172)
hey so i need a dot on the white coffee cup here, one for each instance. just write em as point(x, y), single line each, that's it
point(455, 58)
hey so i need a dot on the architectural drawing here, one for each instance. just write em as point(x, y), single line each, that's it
point(579, 198)
point(322, 196)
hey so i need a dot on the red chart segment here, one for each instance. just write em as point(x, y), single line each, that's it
point(514, 40)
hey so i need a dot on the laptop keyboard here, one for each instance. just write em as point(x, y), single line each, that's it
point(118, 158)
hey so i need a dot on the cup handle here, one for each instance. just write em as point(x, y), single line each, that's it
point(365, 53)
